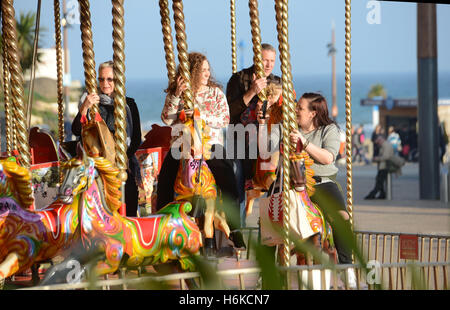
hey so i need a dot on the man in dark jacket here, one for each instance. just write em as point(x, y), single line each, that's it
point(242, 96)
point(385, 154)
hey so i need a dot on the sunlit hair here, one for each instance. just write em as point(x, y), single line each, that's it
point(103, 65)
point(268, 47)
point(106, 64)
point(318, 103)
point(195, 66)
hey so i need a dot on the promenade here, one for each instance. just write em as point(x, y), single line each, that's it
point(405, 213)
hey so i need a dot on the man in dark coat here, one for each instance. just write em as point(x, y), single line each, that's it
point(242, 96)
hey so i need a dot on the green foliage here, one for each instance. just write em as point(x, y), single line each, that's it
point(26, 26)
point(377, 90)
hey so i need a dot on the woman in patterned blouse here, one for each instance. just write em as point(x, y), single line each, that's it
point(212, 104)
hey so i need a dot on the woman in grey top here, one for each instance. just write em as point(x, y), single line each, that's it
point(319, 135)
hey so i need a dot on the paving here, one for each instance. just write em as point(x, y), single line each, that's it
point(405, 213)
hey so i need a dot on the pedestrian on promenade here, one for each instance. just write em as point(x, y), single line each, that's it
point(375, 134)
point(385, 154)
point(394, 140)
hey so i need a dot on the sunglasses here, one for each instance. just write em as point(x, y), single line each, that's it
point(107, 79)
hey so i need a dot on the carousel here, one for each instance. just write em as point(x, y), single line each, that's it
point(63, 222)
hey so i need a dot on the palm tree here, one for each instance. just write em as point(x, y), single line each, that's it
point(25, 26)
point(25, 37)
point(377, 90)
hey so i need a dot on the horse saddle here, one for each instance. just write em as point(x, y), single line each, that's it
point(97, 139)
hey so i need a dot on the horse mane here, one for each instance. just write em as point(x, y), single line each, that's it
point(205, 130)
point(111, 183)
point(18, 183)
point(310, 182)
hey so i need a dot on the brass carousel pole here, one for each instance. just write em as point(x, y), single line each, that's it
point(256, 40)
point(348, 109)
point(59, 77)
point(288, 110)
point(59, 71)
point(233, 36)
point(120, 122)
point(10, 36)
point(180, 30)
point(9, 126)
point(88, 50)
point(167, 38)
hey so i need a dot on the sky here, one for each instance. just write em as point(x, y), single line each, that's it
point(386, 46)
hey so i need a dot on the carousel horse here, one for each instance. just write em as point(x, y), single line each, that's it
point(195, 181)
point(169, 235)
point(29, 237)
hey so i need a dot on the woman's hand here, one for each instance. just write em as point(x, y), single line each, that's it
point(259, 116)
point(295, 135)
point(181, 86)
point(90, 100)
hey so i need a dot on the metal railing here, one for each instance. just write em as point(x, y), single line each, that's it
point(411, 277)
point(382, 250)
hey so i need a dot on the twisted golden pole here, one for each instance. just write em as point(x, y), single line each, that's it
point(256, 40)
point(348, 109)
point(59, 71)
point(180, 30)
point(9, 126)
point(88, 50)
point(289, 119)
point(168, 40)
point(233, 36)
point(9, 28)
point(120, 122)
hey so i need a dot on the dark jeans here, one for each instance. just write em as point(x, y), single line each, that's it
point(222, 170)
point(131, 196)
point(323, 195)
point(380, 184)
point(131, 188)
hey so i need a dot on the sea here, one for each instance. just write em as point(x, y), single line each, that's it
point(149, 93)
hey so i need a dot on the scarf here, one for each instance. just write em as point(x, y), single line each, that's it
point(106, 110)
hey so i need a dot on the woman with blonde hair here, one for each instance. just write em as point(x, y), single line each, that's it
point(105, 101)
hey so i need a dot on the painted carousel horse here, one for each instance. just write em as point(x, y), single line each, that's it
point(29, 237)
point(195, 181)
point(169, 235)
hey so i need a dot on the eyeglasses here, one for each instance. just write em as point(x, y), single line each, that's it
point(107, 79)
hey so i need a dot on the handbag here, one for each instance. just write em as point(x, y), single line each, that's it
point(98, 139)
point(271, 216)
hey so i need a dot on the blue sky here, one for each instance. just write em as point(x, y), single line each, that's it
point(389, 46)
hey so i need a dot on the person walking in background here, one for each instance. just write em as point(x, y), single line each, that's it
point(386, 152)
point(105, 101)
point(375, 134)
point(359, 154)
point(394, 140)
